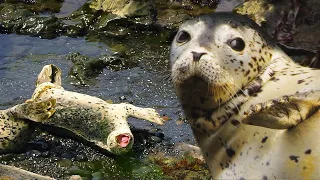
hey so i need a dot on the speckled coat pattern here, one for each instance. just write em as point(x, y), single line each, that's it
point(254, 112)
point(87, 118)
point(15, 129)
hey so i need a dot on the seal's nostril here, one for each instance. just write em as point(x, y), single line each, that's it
point(197, 56)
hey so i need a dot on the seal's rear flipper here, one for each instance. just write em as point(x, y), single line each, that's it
point(49, 73)
point(285, 112)
point(124, 110)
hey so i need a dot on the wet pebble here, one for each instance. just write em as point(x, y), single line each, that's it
point(153, 130)
point(155, 139)
point(81, 157)
point(122, 98)
point(68, 155)
point(54, 159)
point(41, 146)
point(97, 175)
point(75, 177)
point(159, 134)
point(33, 153)
point(78, 171)
point(46, 154)
point(21, 157)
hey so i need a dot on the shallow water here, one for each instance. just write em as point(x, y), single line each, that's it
point(146, 85)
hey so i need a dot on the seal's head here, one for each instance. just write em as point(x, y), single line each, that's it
point(117, 142)
point(214, 56)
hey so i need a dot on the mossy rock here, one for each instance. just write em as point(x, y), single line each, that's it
point(22, 21)
point(38, 6)
point(84, 67)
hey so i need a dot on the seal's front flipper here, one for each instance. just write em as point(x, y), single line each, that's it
point(37, 111)
point(285, 112)
point(49, 74)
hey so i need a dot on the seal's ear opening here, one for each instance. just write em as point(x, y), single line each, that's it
point(49, 73)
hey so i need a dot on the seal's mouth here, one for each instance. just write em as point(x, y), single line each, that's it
point(197, 83)
point(195, 91)
point(123, 140)
point(205, 93)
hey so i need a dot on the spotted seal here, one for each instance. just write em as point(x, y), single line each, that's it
point(15, 130)
point(88, 119)
point(254, 112)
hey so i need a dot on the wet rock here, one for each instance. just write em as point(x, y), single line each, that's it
point(21, 157)
point(38, 6)
point(80, 22)
point(22, 21)
point(46, 154)
point(44, 27)
point(125, 8)
point(122, 19)
point(10, 172)
point(159, 135)
point(74, 170)
point(75, 177)
point(40, 145)
point(155, 139)
point(97, 175)
point(85, 67)
point(172, 14)
point(33, 153)
point(81, 157)
point(292, 22)
point(185, 167)
point(68, 155)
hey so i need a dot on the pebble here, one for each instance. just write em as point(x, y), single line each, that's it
point(75, 177)
point(33, 153)
point(97, 175)
point(159, 134)
point(46, 154)
point(122, 98)
point(155, 139)
point(81, 157)
point(21, 157)
point(68, 155)
point(41, 146)
point(76, 170)
point(153, 130)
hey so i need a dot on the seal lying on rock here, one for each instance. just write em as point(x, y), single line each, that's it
point(253, 111)
point(88, 119)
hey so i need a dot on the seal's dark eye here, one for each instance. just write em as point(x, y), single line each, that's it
point(237, 44)
point(183, 36)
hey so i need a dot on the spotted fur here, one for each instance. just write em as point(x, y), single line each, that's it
point(87, 118)
point(15, 129)
point(92, 119)
point(219, 82)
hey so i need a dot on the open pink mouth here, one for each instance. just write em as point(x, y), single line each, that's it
point(123, 140)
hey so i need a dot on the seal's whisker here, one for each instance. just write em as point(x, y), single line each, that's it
point(216, 95)
point(232, 98)
point(230, 91)
point(239, 88)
